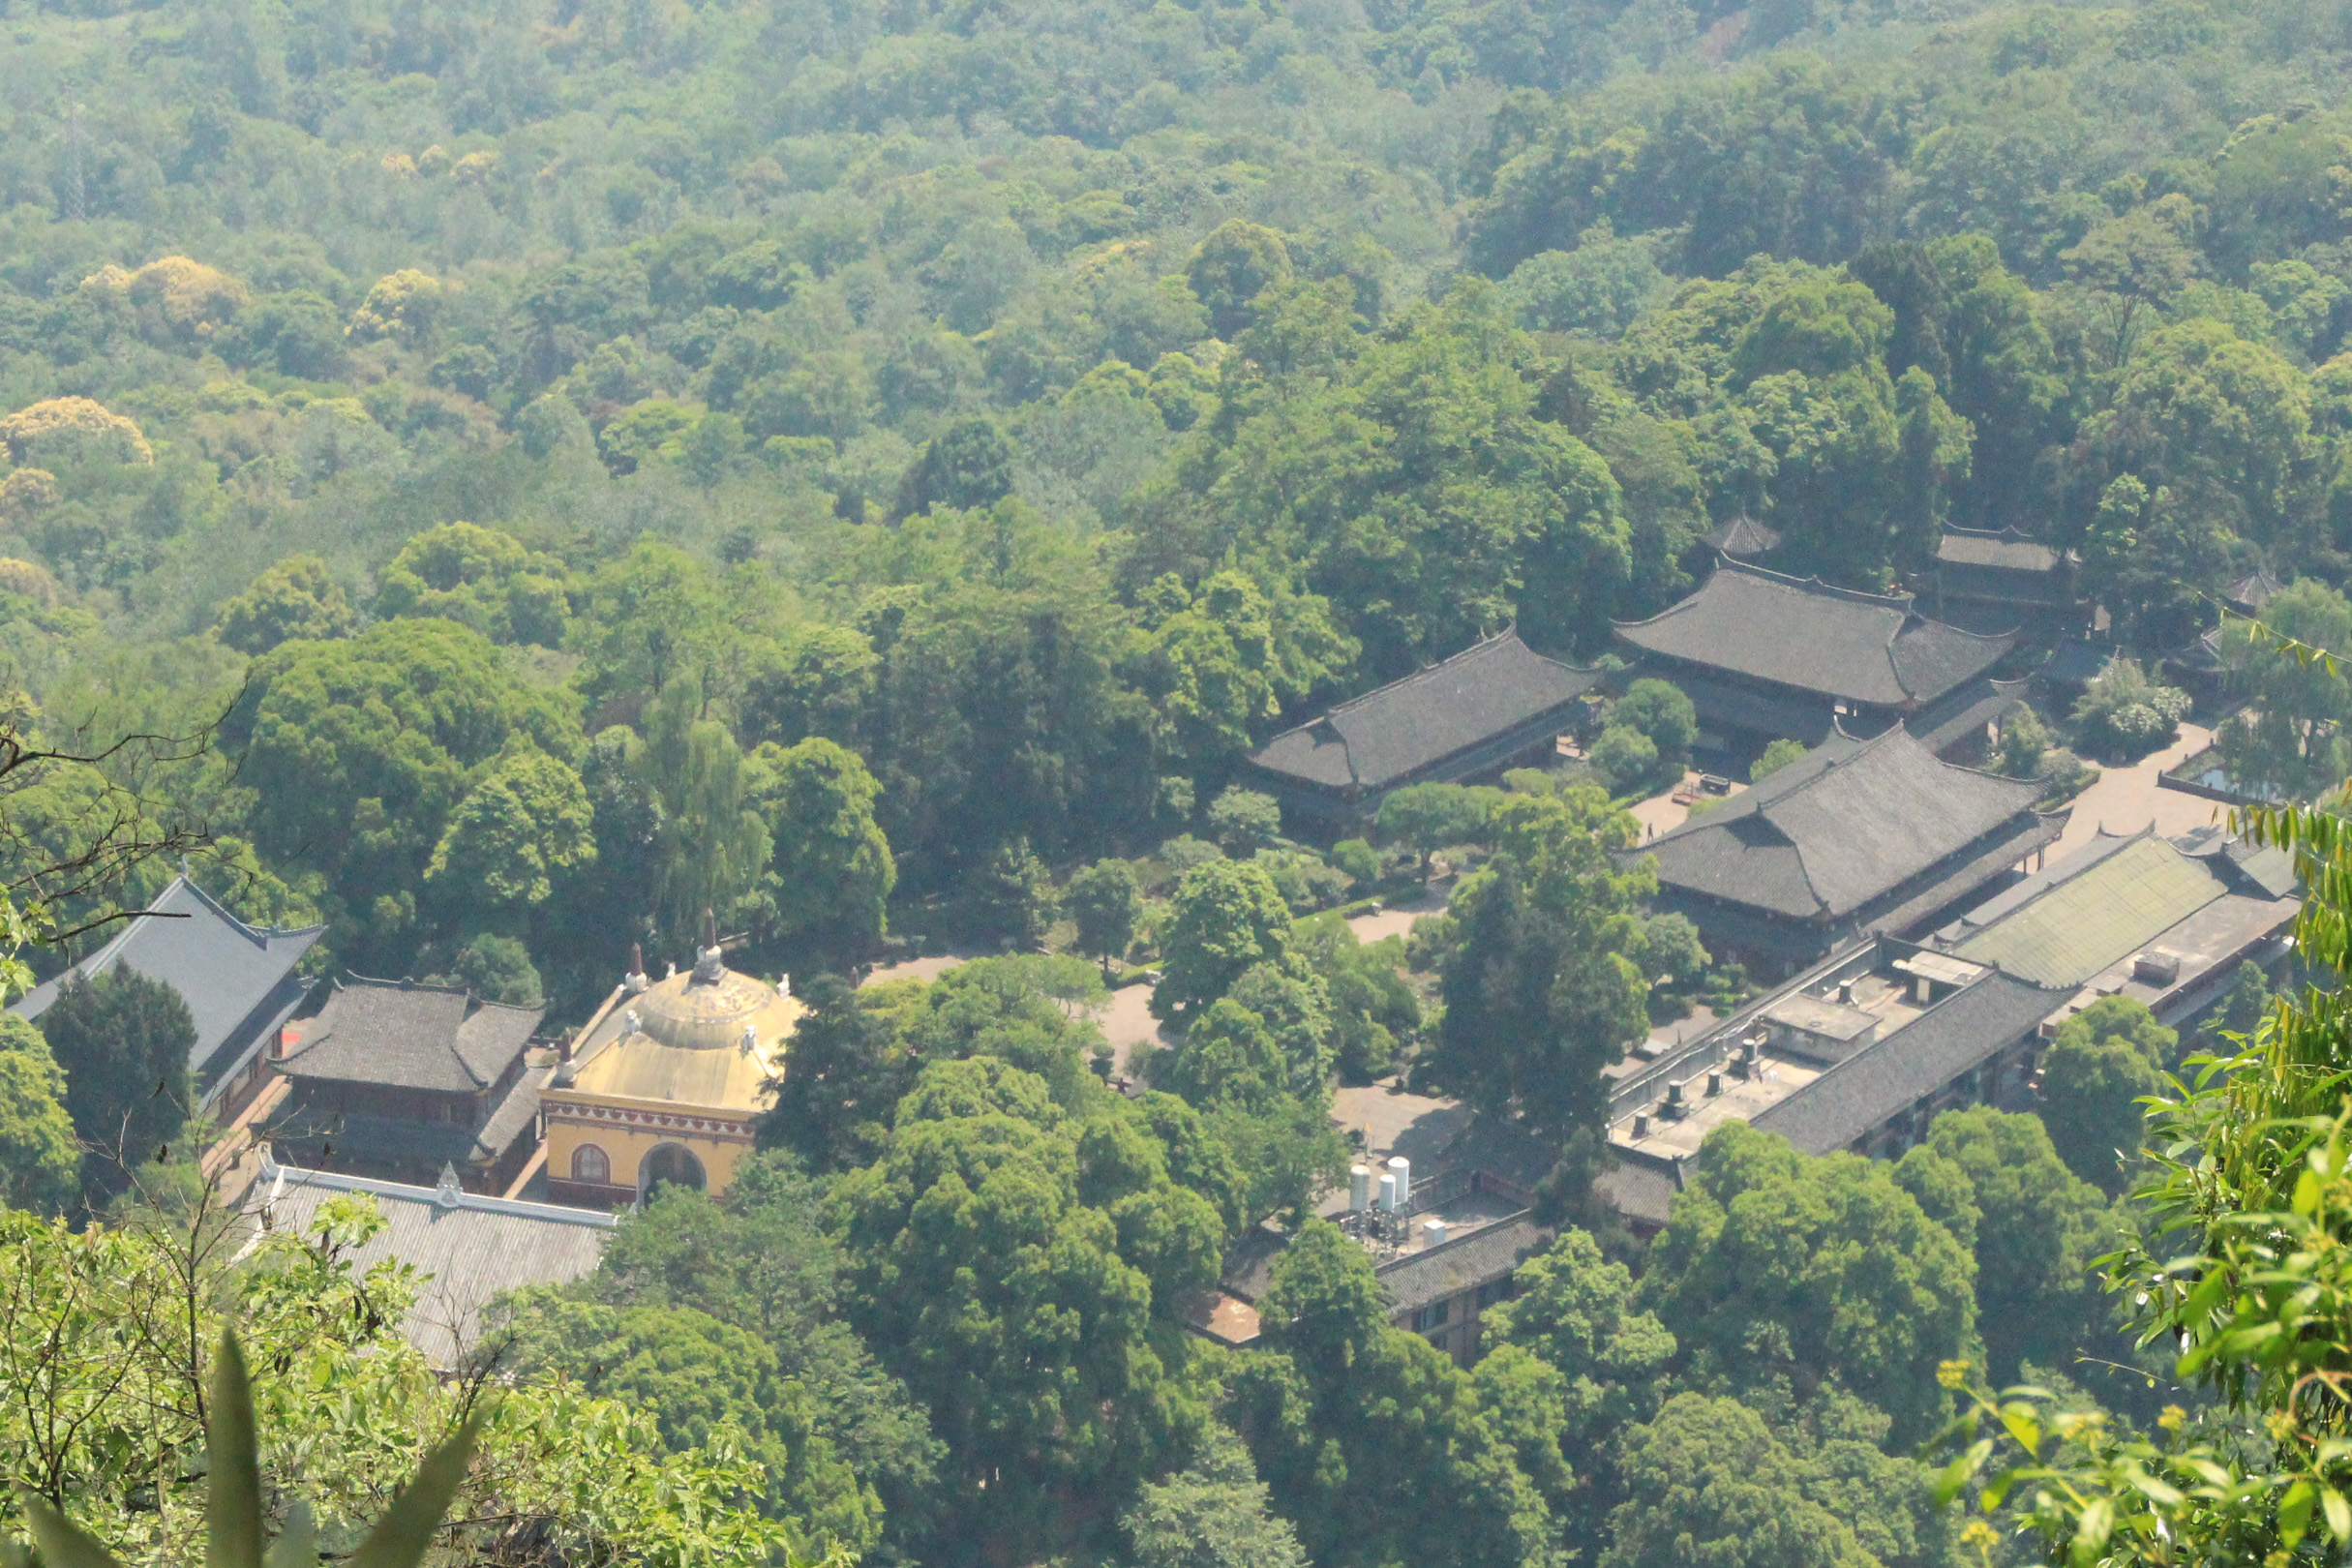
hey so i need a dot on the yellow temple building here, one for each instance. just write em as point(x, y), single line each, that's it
point(665, 1083)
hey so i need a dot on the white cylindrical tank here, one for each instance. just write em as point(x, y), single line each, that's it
point(1359, 1188)
point(1388, 1194)
point(1402, 1169)
point(1433, 1234)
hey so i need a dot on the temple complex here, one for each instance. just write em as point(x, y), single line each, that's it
point(1857, 836)
point(1765, 657)
point(665, 1083)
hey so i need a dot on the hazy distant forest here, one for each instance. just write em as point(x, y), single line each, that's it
point(873, 468)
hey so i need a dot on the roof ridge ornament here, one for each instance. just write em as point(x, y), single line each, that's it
point(710, 964)
point(447, 1194)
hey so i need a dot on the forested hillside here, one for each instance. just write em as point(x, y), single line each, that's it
point(504, 479)
point(1298, 345)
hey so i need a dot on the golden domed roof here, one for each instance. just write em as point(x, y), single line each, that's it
point(709, 1008)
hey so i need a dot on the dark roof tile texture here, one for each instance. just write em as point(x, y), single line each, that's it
point(2008, 550)
point(1807, 636)
point(1948, 1040)
point(465, 1254)
point(406, 1035)
point(1418, 1279)
point(1964, 711)
point(1485, 691)
point(1847, 824)
point(236, 978)
point(1743, 535)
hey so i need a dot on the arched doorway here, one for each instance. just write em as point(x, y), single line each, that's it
point(669, 1162)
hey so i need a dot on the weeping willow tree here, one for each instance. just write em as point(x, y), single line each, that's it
point(710, 848)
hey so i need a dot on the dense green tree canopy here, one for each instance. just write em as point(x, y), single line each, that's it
point(2036, 1229)
point(37, 1151)
point(1352, 1420)
point(2104, 1060)
point(480, 578)
point(847, 469)
point(365, 749)
point(1774, 1264)
point(1026, 1292)
point(525, 825)
point(1540, 993)
point(1227, 916)
point(296, 598)
point(124, 1041)
point(1709, 1482)
point(832, 871)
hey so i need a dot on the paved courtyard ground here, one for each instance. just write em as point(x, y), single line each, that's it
point(2126, 799)
point(1663, 812)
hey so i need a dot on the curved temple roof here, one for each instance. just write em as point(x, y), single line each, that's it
point(239, 981)
point(1806, 635)
point(1485, 690)
point(1843, 826)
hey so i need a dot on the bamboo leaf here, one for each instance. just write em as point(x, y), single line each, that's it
point(404, 1535)
point(2092, 1531)
point(63, 1544)
point(298, 1546)
point(1961, 1470)
point(232, 1501)
point(2295, 1511)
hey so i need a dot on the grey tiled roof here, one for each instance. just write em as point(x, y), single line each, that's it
point(1485, 691)
point(394, 1144)
point(1963, 712)
point(1743, 535)
point(2253, 590)
point(1808, 636)
point(2263, 869)
point(402, 1035)
point(238, 979)
point(1931, 659)
point(1494, 1148)
point(1948, 1040)
point(2075, 663)
point(1643, 1194)
point(1933, 898)
point(475, 1250)
point(1846, 824)
point(2008, 550)
point(1248, 1266)
point(1418, 1279)
point(515, 1114)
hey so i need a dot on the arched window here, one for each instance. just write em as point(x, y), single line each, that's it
point(589, 1164)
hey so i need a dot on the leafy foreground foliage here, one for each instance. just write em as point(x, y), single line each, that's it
point(232, 1503)
point(2246, 1272)
point(106, 1352)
